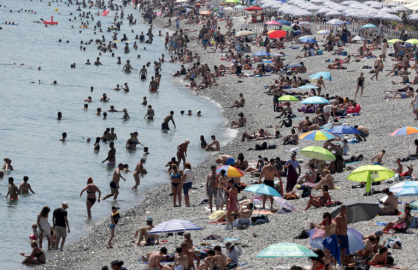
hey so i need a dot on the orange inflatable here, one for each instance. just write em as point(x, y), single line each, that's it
point(51, 21)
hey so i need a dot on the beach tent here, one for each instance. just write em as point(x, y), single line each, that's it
point(359, 210)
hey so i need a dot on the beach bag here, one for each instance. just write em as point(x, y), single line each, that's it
point(272, 146)
point(320, 52)
point(302, 235)
point(394, 242)
point(306, 192)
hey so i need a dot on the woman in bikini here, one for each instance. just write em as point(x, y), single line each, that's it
point(36, 257)
point(130, 143)
point(326, 180)
point(182, 151)
point(91, 195)
point(319, 201)
point(241, 121)
point(401, 223)
point(176, 177)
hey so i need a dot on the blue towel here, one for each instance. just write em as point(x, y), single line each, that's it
point(353, 162)
point(381, 223)
point(331, 243)
point(231, 239)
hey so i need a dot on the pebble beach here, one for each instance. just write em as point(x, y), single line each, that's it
point(380, 116)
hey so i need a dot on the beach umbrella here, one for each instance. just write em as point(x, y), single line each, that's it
point(412, 41)
point(411, 191)
point(173, 226)
point(307, 40)
point(284, 203)
point(358, 38)
point(344, 129)
point(308, 86)
point(263, 189)
point(355, 239)
point(293, 65)
point(318, 153)
point(405, 131)
point(284, 22)
point(287, 29)
point(261, 54)
point(237, 7)
point(297, 33)
point(315, 100)
point(406, 45)
point(317, 76)
point(205, 13)
point(317, 135)
point(359, 210)
point(233, 1)
point(394, 40)
point(286, 250)
point(333, 21)
point(288, 98)
point(273, 23)
point(367, 173)
point(369, 25)
point(333, 13)
point(181, 1)
point(253, 8)
point(231, 171)
point(324, 32)
point(277, 34)
point(244, 33)
point(414, 204)
point(404, 185)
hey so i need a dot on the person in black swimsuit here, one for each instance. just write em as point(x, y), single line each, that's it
point(287, 123)
point(36, 253)
point(91, 195)
point(360, 83)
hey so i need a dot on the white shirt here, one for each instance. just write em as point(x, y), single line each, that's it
point(189, 175)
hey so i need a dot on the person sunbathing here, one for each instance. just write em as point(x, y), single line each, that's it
point(245, 212)
point(401, 223)
point(292, 139)
point(332, 147)
point(261, 133)
point(310, 177)
point(241, 121)
point(303, 124)
point(400, 95)
point(326, 180)
point(336, 65)
point(378, 259)
point(319, 201)
point(257, 170)
point(239, 102)
point(286, 111)
point(409, 172)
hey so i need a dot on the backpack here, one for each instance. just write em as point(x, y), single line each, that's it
point(264, 146)
point(306, 192)
point(302, 235)
point(257, 147)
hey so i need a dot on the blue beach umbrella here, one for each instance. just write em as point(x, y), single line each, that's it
point(284, 22)
point(355, 240)
point(307, 40)
point(175, 225)
point(308, 86)
point(410, 191)
point(344, 129)
point(369, 25)
point(297, 33)
point(315, 100)
point(325, 75)
point(263, 189)
point(404, 185)
point(261, 54)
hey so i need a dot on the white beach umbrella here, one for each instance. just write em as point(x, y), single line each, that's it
point(346, 3)
point(333, 13)
point(401, 8)
point(358, 38)
point(389, 10)
point(393, 4)
point(323, 11)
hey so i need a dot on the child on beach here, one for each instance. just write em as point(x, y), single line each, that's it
point(114, 218)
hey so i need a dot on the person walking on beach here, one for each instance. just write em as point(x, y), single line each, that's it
point(360, 84)
point(60, 221)
point(167, 120)
point(341, 221)
point(13, 190)
point(269, 172)
point(91, 195)
point(111, 156)
point(292, 176)
point(139, 169)
point(212, 186)
point(114, 184)
point(114, 219)
point(43, 227)
point(320, 83)
point(182, 151)
point(25, 186)
point(188, 182)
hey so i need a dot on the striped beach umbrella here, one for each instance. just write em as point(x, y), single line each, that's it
point(231, 171)
point(317, 135)
point(405, 131)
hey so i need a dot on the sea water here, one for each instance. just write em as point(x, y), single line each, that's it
point(30, 133)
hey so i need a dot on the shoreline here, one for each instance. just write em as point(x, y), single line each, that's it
point(89, 252)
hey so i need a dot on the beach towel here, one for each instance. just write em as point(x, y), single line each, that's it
point(331, 243)
point(292, 178)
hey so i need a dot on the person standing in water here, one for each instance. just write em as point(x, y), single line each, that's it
point(25, 186)
point(91, 195)
point(143, 73)
point(60, 221)
point(139, 170)
point(182, 151)
point(114, 184)
point(111, 156)
point(150, 113)
point(167, 119)
point(13, 190)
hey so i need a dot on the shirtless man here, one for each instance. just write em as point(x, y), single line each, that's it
point(330, 227)
point(127, 67)
point(214, 146)
point(239, 102)
point(341, 221)
point(113, 134)
point(222, 159)
point(363, 133)
point(143, 73)
point(139, 169)
point(292, 138)
point(154, 259)
point(150, 239)
point(378, 67)
point(25, 186)
point(220, 258)
point(167, 119)
point(111, 156)
point(114, 184)
point(332, 147)
point(212, 186)
point(378, 159)
point(182, 151)
point(320, 83)
point(188, 240)
point(112, 109)
point(125, 87)
point(153, 85)
point(104, 98)
point(150, 113)
point(270, 171)
point(190, 254)
point(13, 190)
point(98, 63)
point(241, 121)
point(62, 139)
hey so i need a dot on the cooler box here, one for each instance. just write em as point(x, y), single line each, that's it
point(320, 52)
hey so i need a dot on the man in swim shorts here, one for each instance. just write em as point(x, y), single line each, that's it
point(212, 186)
point(25, 186)
point(153, 85)
point(13, 190)
point(150, 239)
point(114, 184)
point(269, 172)
point(154, 258)
point(143, 73)
point(139, 170)
point(342, 222)
point(167, 119)
point(378, 159)
point(363, 133)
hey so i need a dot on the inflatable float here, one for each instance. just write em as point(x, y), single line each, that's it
point(51, 22)
point(356, 109)
point(105, 13)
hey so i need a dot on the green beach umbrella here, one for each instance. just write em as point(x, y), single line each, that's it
point(393, 40)
point(232, 1)
point(288, 98)
point(318, 153)
point(414, 204)
point(412, 41)
point(287, 29)
point(369, 172)
point(286, 250)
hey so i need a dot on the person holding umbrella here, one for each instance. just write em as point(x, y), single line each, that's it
point(269, 172)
